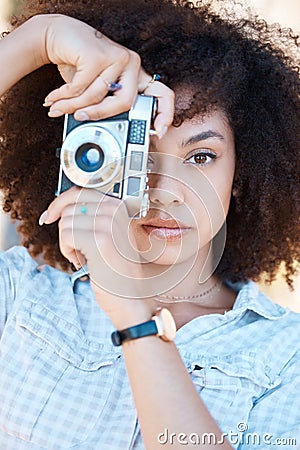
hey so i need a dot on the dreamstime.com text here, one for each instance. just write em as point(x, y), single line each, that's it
point(241, 436)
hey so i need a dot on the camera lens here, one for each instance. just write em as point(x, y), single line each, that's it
point(89, 157)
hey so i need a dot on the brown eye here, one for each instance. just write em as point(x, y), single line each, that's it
point(202, 159)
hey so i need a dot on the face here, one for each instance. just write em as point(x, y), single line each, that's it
point(192, 170)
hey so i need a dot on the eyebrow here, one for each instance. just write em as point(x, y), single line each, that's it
point(202, 137)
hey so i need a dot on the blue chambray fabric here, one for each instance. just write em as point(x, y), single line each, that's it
point(64, 386)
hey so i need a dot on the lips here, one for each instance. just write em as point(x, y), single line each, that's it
point(166, 229)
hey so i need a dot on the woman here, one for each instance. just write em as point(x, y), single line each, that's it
point(230, 156)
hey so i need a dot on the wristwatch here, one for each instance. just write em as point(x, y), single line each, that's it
point(162, 325)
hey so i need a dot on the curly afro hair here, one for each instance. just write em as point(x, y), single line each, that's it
point(243, 66)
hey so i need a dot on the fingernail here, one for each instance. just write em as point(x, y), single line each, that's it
point(47, 103)
point(81, 115)
point(43, 218)
point(162, 132)
point(153, 132)
point(55, 113)
point(75, 264)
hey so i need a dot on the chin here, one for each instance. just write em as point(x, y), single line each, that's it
point(168, 255)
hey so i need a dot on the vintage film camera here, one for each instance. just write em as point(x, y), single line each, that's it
point(110, 155)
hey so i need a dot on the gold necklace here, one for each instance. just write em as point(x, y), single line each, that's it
point(178, 299)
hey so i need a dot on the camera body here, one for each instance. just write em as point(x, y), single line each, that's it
point(110, 155)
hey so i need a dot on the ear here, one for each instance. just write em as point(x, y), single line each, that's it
point(234, 191)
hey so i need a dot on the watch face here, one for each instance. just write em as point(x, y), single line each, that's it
point(168, 324)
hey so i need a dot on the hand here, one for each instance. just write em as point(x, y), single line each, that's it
point(87, 61)
point(95, 228)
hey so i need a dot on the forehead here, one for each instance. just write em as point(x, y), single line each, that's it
point(214, 122)
point(211, 129)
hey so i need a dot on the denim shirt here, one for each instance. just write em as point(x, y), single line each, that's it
point(64, 386)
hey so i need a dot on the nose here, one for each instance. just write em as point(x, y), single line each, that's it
point(165, 191)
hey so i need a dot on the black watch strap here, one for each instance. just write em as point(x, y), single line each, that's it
point(128, 334)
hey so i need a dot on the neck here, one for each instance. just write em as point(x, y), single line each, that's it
point(189, 282)
point(194, 281)
point(186, 311)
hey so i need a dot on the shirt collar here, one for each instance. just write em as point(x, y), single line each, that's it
point(252, 299)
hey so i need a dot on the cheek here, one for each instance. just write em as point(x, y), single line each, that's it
point(140, 243)
point(224, 190)
point(210, 203)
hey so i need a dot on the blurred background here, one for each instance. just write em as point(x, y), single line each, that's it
point(285, 12)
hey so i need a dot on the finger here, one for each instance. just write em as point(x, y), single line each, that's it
point(95, 235)
point(78, 258)
point(121, 101)
point(90, 211)
point(68, 249)
point(92, 95)
point(70, 197)
point(87, 202)
point(88, 69)
point(82, 78)
point(89, 238)
point(165, 100)
point(81, 233)
point(74, 256)
point(91, 67)
point(165, 105)
point(124, 72)
point(77, 223)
